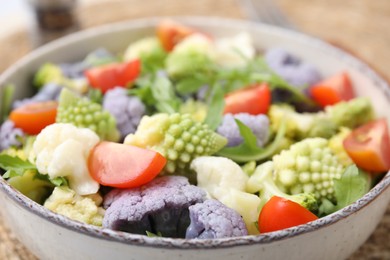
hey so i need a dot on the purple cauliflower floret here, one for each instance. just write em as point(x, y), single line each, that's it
point(9, 135)
point(160, 206)
point(291, 68)
point(127, 110)
point(259, 124)
point(212, 219)
point(48, 92)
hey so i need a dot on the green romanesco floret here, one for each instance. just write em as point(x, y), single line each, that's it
point(262, 181)
point(351, 113)
point(308, 166)
point(32, 187)
point(52, 73)
point(324, 124)
point(337, 147)
point(178, 137)
point(191, 55)
point(84, 113)
point(85, 209)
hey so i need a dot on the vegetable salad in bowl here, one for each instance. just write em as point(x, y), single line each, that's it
point(187, 135)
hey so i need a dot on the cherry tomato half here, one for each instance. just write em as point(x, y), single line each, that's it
point(32, 118)
point(124, 166)
point(279, 213)
point(333, 90)
point(113, 75)
point(253, 100)
point(369, 146)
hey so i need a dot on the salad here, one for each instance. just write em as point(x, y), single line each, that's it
point(189, 136)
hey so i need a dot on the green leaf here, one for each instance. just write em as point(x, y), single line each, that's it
point(6, 101)
point(164, 94)
point(248, 149)
point(59, 181)
point(14, 166)
point(95, 95)
point(191, 84)
point(151, 234)
point(216, 106)
point(352, 185)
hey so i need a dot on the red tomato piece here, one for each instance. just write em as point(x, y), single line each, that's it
point(369, 146)
point(171, 33)
point(279, 213)
point(32, 118)
point(333, 90)
point(113, 75)
point(253, 100)
point(124, 166)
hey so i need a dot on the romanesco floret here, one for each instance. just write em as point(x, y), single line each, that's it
point(337, 147)
point(127, 110)
point(262, 181)
point(352, 113)
point(10, 135)
point(324, 124)
point(84, 113)
point(197, 109)
point(32, 187)
point(62, 150)
point(85, 209)
point(308, 166)
point(193, 54)
point(259, 124)
point(52, 73)
point(177, 137)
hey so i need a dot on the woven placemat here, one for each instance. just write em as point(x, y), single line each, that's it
point(359, 26)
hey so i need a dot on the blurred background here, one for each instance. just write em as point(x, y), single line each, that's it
point(361, 27)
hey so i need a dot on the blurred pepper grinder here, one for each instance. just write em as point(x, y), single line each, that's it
point(55, 18)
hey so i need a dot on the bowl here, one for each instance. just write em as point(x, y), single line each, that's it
point(336, 236)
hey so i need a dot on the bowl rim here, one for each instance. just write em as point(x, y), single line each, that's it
point(177, 243)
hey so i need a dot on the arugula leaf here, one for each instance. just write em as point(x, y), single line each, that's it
point(215, 108)
point(164, 94)
point(352, 185)
point(191, 84)
point(6, 101)
point(58, 181)
point(248, 150)
point(151, 234)
point(14, 166)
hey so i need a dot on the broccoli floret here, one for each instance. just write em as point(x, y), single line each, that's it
point(10, 136)
point(49, 91)
point(127, 110)
point(308, 166)
point(259, 124)
point(212, 219)
point(85, 209)
point(337, 147)
point(160, 206)
point(83, 113)
point(325, 124)
point(177, 137)
point(291, 68)
point(262, 181)
point(191, 55)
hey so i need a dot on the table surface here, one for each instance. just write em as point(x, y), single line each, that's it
point(362, 27)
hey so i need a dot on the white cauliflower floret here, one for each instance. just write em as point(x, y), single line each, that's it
point(62, 150)
point(86, 209)
point(225, 181)
point(234, 51)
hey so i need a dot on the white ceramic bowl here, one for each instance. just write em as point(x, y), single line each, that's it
point(51, 236)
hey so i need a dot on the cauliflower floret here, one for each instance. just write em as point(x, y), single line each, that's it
point(225, 181)
point(62, 150)
point(234, 51)
point(66, 202)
